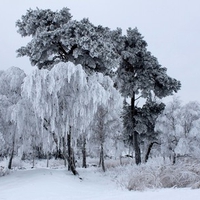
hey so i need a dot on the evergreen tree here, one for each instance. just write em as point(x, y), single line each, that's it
point(140, 75)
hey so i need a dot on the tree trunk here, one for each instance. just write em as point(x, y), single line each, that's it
point(137, 149)
point(101, 160)
point(64, 151)
point(174, 158)
point(135, 134)
point(12, 153)
point(11, 156)
point(33, 157)
point(47, 159)
point(69, 149)
point(149, 150)
point(84, 165)
point(71, 163)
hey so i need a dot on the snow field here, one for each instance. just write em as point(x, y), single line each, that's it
point(56, 183)
point(59, 184)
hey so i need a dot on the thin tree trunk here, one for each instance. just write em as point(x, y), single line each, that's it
point(71, 163)
point(120, 159)
point(64, 151)
point(33, 157)
point(11, 156)
point(84, 164)
point(174, 158)
point(135, 134)
point(149, 150)
point(47, 159)
point(102, 158)
point(137, 149)
point(69, 149)
point(57, 155)
point(101, 161)
point(12, 153)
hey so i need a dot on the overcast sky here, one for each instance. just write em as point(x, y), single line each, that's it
point(171, 29)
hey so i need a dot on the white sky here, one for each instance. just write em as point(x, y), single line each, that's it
point(171, 29)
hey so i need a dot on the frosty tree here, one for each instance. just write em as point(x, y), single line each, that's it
point(65, 100)
point(179, 126)
point(56, 37)
point(10, 95)
point(140, 75)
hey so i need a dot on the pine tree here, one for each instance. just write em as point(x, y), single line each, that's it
point(139, 76)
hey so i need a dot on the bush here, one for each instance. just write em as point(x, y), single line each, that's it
point(157, 175)
point(4, 167)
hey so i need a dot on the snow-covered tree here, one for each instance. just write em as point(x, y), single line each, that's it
point(189, 122)
point(178, 125)
point(107, 123)
point(169, 124)
point(189, 114)
point(140, 75)
point(58, 38)
point(65, 101)
point(10, 94)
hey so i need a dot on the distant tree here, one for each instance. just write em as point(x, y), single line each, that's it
point(140, 75)
point(188, 144)
point(189, 114)
point(58, 38)
point(179, 126)
point(168, 124)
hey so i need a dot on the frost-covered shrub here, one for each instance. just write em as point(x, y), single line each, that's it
point(3, 167)
point(17, 163)
point(3, 171)
point(112, 164)
point(161, 175)
point(116, 163)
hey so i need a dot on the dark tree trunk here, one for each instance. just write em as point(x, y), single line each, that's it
point(84, 164)
point(149, 150)
point(69, 149)
point(33, 157)
point(48, 159)
point(137, 149)
point(71, 162)
point(12, 154)
point(135, 134)
point(174, 158)
point(64, 151)
point(101, 160)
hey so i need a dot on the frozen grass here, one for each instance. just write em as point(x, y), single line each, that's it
point(157, 174)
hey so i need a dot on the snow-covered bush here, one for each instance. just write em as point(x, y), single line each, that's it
point(154, 175)
point(4, 167)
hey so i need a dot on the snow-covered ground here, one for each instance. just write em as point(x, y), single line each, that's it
point(59, 184)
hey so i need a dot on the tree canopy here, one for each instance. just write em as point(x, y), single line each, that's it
point(58, 38)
